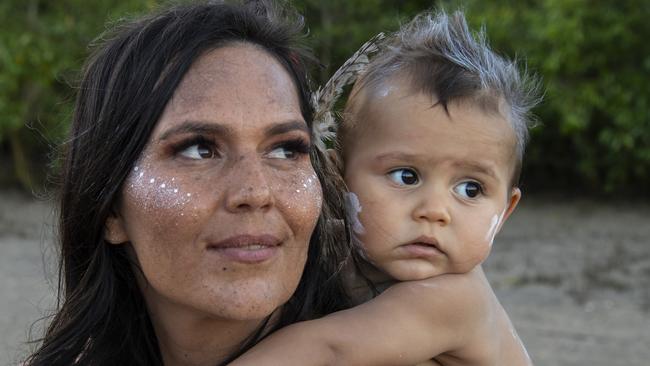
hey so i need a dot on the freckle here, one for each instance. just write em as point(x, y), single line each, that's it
point(224, 269)
point(152, 180)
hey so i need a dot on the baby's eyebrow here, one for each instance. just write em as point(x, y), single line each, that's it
point(478, 167)
point(398, 155)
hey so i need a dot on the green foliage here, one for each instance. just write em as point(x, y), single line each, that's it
point(594, 59)
point(592, 55)
point(339, 27)
point(42, 47)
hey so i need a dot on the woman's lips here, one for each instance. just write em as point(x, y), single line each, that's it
point(247, 248)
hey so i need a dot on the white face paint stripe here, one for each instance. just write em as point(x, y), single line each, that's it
point(494, 226)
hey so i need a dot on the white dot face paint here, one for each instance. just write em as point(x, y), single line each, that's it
point(154, 196)
point(301, 192)
point(353, 209)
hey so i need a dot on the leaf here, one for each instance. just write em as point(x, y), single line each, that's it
point(324, 99)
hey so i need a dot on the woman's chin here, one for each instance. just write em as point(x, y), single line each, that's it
point(248, 300)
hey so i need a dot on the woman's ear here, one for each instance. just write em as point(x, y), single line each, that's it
point(114, 230)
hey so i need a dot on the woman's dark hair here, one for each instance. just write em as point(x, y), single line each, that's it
point(102, 318)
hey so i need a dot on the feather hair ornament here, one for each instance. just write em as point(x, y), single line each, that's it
point(323, 100)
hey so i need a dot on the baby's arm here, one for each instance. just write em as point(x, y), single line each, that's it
point(409, 323)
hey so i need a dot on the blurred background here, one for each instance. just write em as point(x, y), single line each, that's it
point(573, 265)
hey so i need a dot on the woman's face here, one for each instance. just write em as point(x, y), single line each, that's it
point(221, 205)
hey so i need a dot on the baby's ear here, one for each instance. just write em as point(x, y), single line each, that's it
point(114, 230)
point(515, 196)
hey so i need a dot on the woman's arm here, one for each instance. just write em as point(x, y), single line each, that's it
point(409, 323)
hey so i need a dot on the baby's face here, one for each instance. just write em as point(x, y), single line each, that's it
point(433, 189)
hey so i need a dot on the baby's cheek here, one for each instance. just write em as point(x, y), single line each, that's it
point(482, 238)
point(495, 223)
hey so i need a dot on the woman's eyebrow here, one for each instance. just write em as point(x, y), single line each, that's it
point(198, 127)
point(285, 127)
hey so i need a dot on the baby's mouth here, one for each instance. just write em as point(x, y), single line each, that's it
point(423, 246)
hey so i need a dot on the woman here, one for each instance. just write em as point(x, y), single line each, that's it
point(188, 197)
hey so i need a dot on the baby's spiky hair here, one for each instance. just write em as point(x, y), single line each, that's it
point(438, 55)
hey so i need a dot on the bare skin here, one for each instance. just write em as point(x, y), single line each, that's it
point(455, 317)
point(209, 212)
point(433, 191)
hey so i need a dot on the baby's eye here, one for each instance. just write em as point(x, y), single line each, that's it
point(404, 177)
point(199, 151)
point(469, 189)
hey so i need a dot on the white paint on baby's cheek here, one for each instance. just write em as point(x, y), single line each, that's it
point(494, 226)
point(494, 223)
point(353, 209)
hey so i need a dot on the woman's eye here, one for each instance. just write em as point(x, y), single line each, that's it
point(289, 150)
point(469, 189)
point(282, 153)
point(199, 151)
point(404, 177)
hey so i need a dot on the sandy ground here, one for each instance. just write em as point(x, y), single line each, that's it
point(574, 276)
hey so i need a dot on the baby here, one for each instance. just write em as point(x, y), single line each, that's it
point(431, 148)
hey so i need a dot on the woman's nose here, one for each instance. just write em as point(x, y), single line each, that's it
point(249, 187)
point(432, 207)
